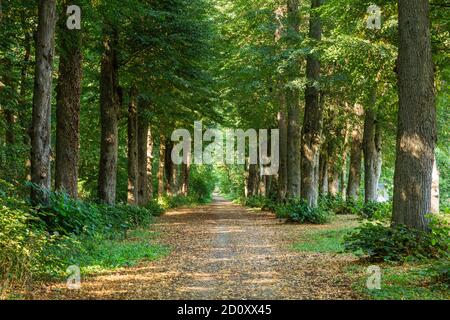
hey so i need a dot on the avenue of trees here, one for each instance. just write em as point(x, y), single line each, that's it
point(89, 109)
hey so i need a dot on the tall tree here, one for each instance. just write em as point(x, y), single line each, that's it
point(132, 197)
point(292, 103)
point(416, 131)
point(144, 147)
point(68, 106)
point(372, 151)
point(41, 118)
point(312, 120)
point(162, 159)
point(354, 175)
point(283, 170)
point(109, 113)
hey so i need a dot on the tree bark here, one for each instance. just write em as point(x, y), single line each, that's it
point(312, 123)
point(162, 159)
point(293, 109)
point(133, 173)
point(283, 171)
point(372, 152)
point(323, 173)
point(333, 169)
point(68, 101)
point(354, 175)
point(169, 169)
point(185, 173)
point(252, 180)
point(144, 149)
point(149, 165)
point(344, 157)
point(109, 114)
point(416, 131)
point(41, 117)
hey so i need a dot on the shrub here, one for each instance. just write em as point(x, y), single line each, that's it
point(297, 210)
point(373, 210)
point(22, 248)
point(339, 205)
point(378, 242)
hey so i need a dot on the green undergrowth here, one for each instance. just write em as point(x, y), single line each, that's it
point(409, 277)
point(412, 281)
point(106, 255)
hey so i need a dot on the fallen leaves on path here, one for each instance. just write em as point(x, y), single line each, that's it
point(221, 251)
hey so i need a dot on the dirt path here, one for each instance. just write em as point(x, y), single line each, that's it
point(223, 251)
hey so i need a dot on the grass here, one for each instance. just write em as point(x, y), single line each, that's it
point(409, 281)
point(323, 241)
point(106, 255)
point(413, 281)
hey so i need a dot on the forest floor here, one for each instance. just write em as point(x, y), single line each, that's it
point(223, 251)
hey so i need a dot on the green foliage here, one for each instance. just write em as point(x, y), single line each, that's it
point(378, 242)
point(297, 210)
point(338, 205)
point(259, 201)
point(201, 183)
point(43, 241)
point(22, 249)
point(96, 255)
point(414, 281)
point(66, 216)
point(373, 210)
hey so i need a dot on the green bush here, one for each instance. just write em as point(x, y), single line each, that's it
point(43, 240)
point(297, 210)
point(378, 242)
point(373, 210)
point(339, 205)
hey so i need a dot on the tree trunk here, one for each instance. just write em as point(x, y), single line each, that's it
point(149, 165)
point(283, 172)
point(41, 118)
point(68, 103)
point(133, 173)
point(333, 169)
point(323, 173)
point(312, 123)
point(143, 145)
point(169, 168)
point(292, 102)
point(343, 168)
point(162, 159)
point(416, 132)
point(372, 153)
point(185, 172)
point(252, 181)
point(109, 114)
point(354, 175)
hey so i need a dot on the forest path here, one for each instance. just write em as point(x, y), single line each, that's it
point(223, 251)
